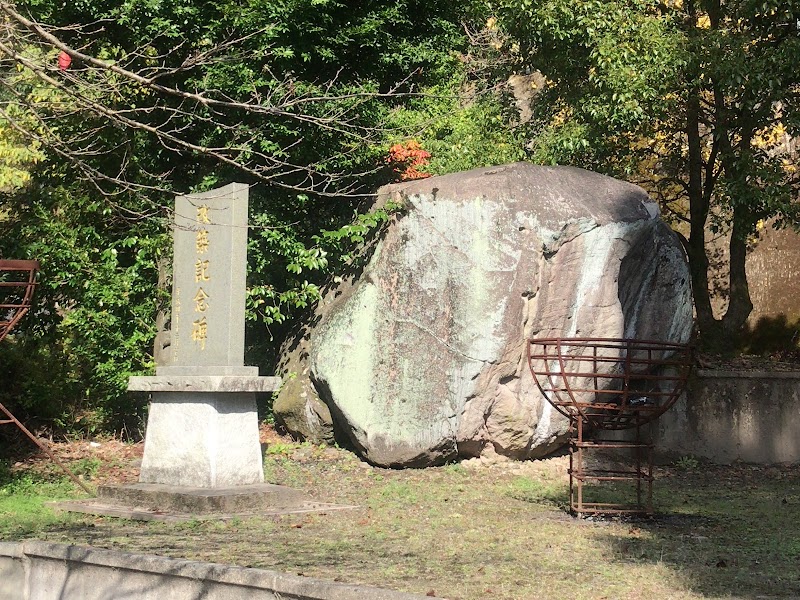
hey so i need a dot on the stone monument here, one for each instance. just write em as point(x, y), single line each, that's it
point(202, 456)
point(202, 429)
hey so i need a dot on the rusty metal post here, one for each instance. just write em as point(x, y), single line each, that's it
point(45, 449)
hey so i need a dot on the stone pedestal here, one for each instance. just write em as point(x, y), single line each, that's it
point(202, 440)
point(202, 431)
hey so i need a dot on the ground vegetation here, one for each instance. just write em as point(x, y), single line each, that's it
point(468, 531)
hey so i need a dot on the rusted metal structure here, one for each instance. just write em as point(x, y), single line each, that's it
point(17, 284)
point(603, 384)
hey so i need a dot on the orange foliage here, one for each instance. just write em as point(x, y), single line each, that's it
point(407, 159)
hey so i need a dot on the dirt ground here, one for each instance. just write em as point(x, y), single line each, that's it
point(476, 529)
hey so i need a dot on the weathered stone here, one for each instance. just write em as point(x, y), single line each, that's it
point(297, 406)
point(423, 358)
point(300, 411)
point(202, 427)
point(204, 501)
point(203, 439)
point(204, 383)
point(208, 287)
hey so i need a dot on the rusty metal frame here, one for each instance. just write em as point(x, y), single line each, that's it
point(22, 276)
point(609, 384)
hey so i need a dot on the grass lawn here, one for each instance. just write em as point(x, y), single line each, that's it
point(463, 531)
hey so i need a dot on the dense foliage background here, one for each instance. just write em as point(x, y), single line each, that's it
point(315, 103)
point(695, 100)
point(311, 94)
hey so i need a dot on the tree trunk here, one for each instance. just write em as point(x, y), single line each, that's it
point(715, 334)
point(698, 215)
point(739, 305)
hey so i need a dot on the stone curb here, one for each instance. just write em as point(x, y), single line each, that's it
point(85, 573)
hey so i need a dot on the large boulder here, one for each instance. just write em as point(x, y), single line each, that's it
point(422, 359)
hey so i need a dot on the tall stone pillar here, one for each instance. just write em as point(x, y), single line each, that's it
point(202, 428)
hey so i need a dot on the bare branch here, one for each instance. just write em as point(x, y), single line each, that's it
point(118, 95)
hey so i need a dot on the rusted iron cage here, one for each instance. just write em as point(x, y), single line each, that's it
point(17, 284)
point(609, 384)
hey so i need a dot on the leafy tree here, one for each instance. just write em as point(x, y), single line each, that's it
point(692, 98)
point(461, 135)
point(93, 321)
point(16, 156)
point(127, 103)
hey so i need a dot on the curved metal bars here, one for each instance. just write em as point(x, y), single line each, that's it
point(609, 383)
point(17, 283)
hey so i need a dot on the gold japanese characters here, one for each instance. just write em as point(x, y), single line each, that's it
point(201, 274)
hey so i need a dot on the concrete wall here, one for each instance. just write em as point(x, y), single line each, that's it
point(12, 571)
point(45, 571)
point(729, 416)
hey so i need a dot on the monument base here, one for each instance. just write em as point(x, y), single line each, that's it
point(204, 501)
point(157, 502)
point(202, 439)
point(202, 429)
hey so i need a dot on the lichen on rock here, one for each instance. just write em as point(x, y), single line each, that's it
point(423, 359)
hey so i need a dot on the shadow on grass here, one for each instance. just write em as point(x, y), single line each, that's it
point(725, 532)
